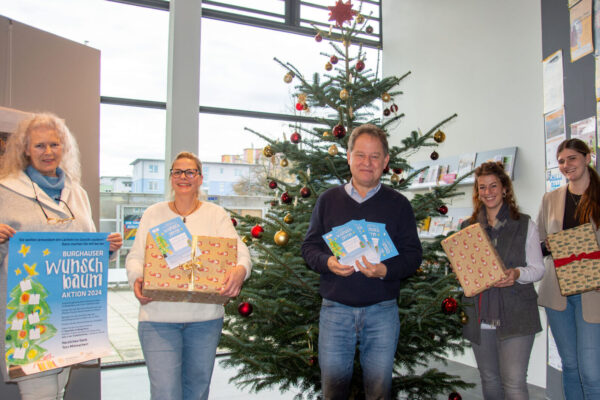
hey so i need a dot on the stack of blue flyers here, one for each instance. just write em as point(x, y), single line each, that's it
point(358, 238)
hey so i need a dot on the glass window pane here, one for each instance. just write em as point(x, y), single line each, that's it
point(132, 40)
point(269, 6)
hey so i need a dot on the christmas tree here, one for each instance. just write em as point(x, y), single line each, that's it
point(272, 333)
point(27, 325)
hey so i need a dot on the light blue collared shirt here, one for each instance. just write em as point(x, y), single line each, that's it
point(352, 192)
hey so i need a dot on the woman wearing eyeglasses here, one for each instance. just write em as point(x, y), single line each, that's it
point(179, 340)
point(40, 192)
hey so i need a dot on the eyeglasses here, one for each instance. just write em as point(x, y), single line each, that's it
point(50, 220)
point(189, 173)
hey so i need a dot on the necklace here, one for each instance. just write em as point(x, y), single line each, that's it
point(191, 211)
point(575, 198)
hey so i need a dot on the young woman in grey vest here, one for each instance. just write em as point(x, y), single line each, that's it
point(504, 319)
point(574, 320)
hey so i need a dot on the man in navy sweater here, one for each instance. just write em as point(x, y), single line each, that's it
point(361, 307)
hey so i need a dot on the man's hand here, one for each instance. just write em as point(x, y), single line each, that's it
point(371, 270)
point(6, 232)
point(342, 270)
point(511, 277)
point(137, 291)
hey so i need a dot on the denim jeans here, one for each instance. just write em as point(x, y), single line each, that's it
point(375, 328)
point(503, 365)
point(578, 344)
point(180, 357)
point(45, 387)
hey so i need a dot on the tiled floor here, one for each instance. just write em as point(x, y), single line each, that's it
point(131, 383)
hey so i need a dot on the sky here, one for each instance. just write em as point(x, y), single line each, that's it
point(237, 71)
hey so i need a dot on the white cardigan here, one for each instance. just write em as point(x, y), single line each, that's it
point(209, 220)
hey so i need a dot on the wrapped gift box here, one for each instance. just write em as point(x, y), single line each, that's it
point(474, 259)
point(576, 258)
point(212, 259)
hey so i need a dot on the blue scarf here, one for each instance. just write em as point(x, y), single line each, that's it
point(53, 186)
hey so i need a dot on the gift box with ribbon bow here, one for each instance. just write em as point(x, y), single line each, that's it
point(474, 259)
point(198, 280)
point(576, 259)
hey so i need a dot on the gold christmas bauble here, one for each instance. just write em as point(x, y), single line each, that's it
point(360, 19)
point(326, 134)
point(395, 179)
point(288, 219)
point(284, 162)
point(333, 150)
point(281, 238)
point(287, 78)
point(268, 151)
point(301, 98)
point(464, 319)
point(439, 136)
point(386, 97)
point(245, 239)
point(328, 66)
point(344, 94)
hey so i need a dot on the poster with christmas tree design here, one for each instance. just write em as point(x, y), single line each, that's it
point(56, 303)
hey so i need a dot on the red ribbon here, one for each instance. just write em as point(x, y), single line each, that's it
point(559, 262)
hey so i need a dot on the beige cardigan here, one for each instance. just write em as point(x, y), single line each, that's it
point(550, 220)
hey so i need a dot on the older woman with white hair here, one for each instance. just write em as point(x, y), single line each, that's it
point(40, 192)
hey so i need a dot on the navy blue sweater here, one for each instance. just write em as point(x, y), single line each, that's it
point(334, 208)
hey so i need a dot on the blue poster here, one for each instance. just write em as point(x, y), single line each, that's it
point(56, 311)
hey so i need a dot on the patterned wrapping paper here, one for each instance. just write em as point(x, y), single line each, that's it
point(474, 259)
point(573, 251)
point(215, 256)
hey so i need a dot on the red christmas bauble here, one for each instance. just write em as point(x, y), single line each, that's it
point(286, 198)
point(299, 106)
point(312, 360)
point(318, 37)
point(443, 209)
point(386, 112)
point(394, 108)
point(369, 29)
point(454, 396)
point(245, 309)
point(449, 305)
point(274, 203)
point(305, 192)
point(360, 65)
point(333, 59)
point(273, 185)
point(386, 170)
point(295, 138)
point(434, 155)
point(398, 171)
point(339, 131)
point(257, 231)
point(234, 221)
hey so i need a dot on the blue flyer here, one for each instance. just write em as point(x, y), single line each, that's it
point(174, 241)
point(56, 312)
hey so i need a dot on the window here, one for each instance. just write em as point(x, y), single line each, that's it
point(153, 168)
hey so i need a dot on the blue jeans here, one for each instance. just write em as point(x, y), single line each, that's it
point(180, 357)
point(503, 365)
point(375, 328)
point(578, 344)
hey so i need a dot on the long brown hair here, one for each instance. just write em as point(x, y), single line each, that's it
point(589, 206)
point(496, 169)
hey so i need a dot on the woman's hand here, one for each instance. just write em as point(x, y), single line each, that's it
point(115, 240)
point(6, 232)
point(233, 281)
point(137, 290)
point(511, 277)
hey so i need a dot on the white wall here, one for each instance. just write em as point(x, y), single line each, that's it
point(480, 59)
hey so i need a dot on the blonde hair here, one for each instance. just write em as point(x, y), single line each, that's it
point(14, 158)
